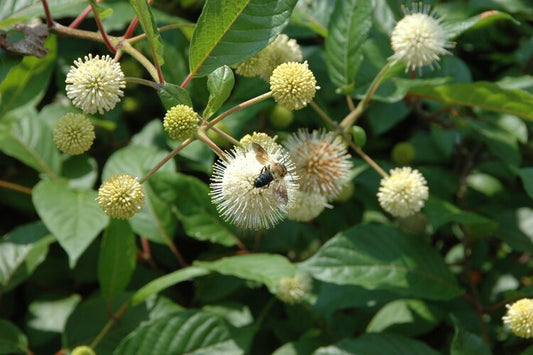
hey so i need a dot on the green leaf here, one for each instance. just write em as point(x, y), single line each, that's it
point(103, 11)
point(146, 18)
point(21, 251)
point(189, 332)
point(313, 15)
point(454, 29)
point(12, 340)
point(377, 344)
point(166, 281)
point(219, 83)
point(117, 260)
point(441, 212)
point(73, 216)
point(172, 95)
point(466, 343)
point(526, 174)
point(91, 316)
point(382, 258)
point(26, 83)
point(348, 29)
point(155, 221)
point(516, 228)
point(482, 94)
point(500, 142)
point(20, 10)
point(195, 210)
point(30, 141)
point(51, 315)
point(264, 268)
point(228, 32)
point(407, 317)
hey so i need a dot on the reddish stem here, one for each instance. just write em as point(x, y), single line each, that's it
point(131, 28)
point(49, 21)
point(187, 80)
point(102, 30)
point(78, 20)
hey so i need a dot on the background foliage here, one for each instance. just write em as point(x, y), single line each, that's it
point(178, 279)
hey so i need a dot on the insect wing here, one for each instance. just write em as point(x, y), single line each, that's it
point(280, 191)
point(260, 154)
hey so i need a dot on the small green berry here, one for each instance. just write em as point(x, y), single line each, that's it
point(82, 350)
point(280, 117)
point(359, 136)
point(403, 153)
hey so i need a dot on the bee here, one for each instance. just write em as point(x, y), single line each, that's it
point(272, 172)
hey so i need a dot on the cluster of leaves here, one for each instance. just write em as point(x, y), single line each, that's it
point(178, 279)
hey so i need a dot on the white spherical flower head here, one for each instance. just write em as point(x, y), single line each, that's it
point(419, 38)
point(322, 162)
point(307, 206)
point(95, 84)
point(519, 318)
point(403, 193)
point(238, 196)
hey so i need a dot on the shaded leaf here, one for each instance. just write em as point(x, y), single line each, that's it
point(26, 82)
point(264, 268)
point(117, 258)
point(12, 340)
point(219, 83)
point(526, 174)
point(21, 10)
point(231, 31)
point(73, 216)
point(51, 315)
point(377, 344)
point(466, 343)
point(488, 18)
point(482, 94)
point(21, 251)
point(382, 258)
point(348, 29)
point(30, 141)
point(166, 281)
point(189, 332)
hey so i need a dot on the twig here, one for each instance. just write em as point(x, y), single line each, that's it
point(165, 159)
point(102, 29)
point(15, 187)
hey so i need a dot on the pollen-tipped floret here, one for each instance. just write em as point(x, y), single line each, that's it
point(404, 192)
point(419, 38)
point(236, 197)
point(73, 133)
point(121, 196)
point(322, 162)
point(180, 122)
point(519, 318)
point(293, 85)
point(95, 84)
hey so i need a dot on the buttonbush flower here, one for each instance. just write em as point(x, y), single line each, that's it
point(121, 196)
point(281, 50)
point(307, 206)
point(236, 198)
point(419, 38)
point(180, 122)
point(293, 85)
point(260, 138)
point(95, 84)
point(73, 133)
point(322, 162)
point(403, 193)
point(519, 318)
point(292, 290)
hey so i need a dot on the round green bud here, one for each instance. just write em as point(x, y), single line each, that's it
point(359, 136)
point(130, 104)
point(280, 117)
point(73, 133)
point(82, 350)
point(403, 153)
point(180, 122)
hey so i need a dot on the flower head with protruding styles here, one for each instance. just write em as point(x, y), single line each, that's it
point(403, 193)
point(73, 133)
point(236, 196)
point(121, 196)
point(260, 138)
point(322, 162)
point(307, 206)
point(519, 318)
point(293, 85)
point(419, 38)
point(281, 50)
point(180, 122)
point(95, 84)
point(292, 290)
